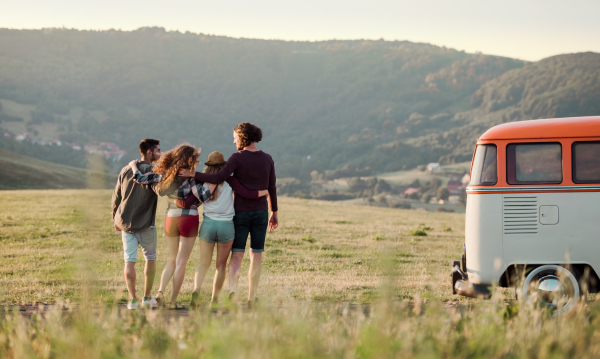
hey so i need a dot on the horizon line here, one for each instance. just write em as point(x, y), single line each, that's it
point(270, 39)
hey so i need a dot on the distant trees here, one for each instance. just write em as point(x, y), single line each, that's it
point(57, 154)
point(7, 118)
point(40, 116)
point(443, 194)
point(293, 187)
point(288, 88)
point(340, 108)
point(344, 172)
point(426, 197)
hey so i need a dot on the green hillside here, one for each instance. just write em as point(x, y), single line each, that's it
point(356, 107)
point(21, 172)
point(559, 86)
point(334, 101)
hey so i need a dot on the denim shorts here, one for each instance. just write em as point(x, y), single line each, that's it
point(254, 223)
point(213, 231)
point(145, 238)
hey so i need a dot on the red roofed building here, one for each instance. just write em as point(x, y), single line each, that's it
point(411, 191)
point(454, 187)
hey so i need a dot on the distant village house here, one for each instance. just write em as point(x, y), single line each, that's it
point(434, 167)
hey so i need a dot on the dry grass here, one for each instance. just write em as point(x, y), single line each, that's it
point(59, 246)
point(323, 251)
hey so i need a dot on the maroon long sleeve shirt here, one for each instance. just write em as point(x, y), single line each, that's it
point(256, 171)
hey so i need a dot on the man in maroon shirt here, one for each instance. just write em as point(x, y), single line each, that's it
point(255, 170)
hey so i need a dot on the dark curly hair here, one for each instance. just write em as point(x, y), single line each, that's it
point(248, 133)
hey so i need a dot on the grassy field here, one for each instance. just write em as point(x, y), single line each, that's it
point(323, 251)
point(339, 281)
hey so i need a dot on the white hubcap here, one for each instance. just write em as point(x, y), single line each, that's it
point(552, 287)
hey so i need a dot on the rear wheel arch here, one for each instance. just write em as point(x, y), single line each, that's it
point(585, 274)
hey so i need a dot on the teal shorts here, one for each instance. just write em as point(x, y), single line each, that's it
point(213, 231)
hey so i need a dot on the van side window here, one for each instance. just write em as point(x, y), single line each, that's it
point(586, 162)
point(534, 163)
point(485, 166)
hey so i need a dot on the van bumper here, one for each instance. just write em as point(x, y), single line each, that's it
point(467, 289)
point(461, 284)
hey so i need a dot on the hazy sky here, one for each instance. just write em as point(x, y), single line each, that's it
point(525, 29)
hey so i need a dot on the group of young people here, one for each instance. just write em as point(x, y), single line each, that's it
point(234, 196)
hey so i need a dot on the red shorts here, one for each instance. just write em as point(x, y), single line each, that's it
point(184, 226)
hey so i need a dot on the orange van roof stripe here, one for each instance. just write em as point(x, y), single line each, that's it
point(547, 128)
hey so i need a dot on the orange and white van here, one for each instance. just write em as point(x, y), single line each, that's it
point(533, 210)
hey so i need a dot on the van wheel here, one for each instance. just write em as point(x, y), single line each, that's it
point(552, 287)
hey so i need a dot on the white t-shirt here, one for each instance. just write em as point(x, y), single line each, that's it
point(222, 208)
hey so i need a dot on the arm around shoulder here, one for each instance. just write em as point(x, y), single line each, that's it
point(240, 190)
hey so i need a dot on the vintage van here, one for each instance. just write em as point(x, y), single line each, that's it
point(533, 212)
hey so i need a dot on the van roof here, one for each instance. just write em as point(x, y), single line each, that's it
point(548, 128)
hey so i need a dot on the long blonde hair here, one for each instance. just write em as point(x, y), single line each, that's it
point(183, 156)
point(212, 170)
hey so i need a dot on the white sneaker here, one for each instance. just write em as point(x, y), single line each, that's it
point(132, 304)
point(149, 302)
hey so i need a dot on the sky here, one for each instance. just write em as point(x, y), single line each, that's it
point(524, 29)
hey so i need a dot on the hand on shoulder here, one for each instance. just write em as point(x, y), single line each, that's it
point(183, 172)
point(133, 165)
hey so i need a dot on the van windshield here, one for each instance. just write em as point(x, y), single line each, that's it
point(485, 166)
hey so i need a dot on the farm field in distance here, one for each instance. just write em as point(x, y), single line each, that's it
point(339, 281)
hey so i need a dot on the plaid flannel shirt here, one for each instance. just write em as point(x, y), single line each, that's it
point(187, 187)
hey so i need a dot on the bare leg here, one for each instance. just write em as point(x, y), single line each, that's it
point(223, 250)
point(129, 273)
point(167, 273)
point(235, 263)
point(254, 274)
point(186, 244)
point(149, 272)
point(206, 253)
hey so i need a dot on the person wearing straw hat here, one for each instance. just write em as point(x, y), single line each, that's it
point(217, 226)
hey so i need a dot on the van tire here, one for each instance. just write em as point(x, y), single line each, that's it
point(552, 281)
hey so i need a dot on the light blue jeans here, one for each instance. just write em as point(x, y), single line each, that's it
point(146, 239)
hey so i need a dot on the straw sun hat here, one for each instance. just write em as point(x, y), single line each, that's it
point(215, 158)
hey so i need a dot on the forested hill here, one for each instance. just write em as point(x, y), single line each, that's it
point(322, 105)
point(559, 86)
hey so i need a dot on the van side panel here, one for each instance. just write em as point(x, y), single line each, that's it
point(566, 228)
point(483, 238)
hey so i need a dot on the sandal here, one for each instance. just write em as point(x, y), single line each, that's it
point(159, 300)
point(175, 306)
